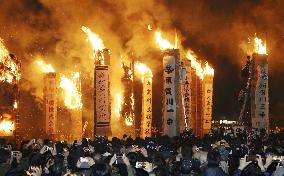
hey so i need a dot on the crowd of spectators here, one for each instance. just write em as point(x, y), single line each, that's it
point(215, 154)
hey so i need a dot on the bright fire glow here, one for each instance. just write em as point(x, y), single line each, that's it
point(71, 91)
point(7, 126)
point(163, 43)
point(119, 103)
point(10, 71)
point(128, 121)
point(259, 46)
point(96, 41)
point(3, 51)
point(131, 74)
point(46, 68)
point(200, 71)
point(208, 70)
point(15, 105)
point(195, 64)
point(132, 102)
point(129, 118)
point(149, 27)
point(143, 70)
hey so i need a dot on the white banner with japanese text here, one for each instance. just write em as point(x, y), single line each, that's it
point(169, 96)
point(261, 97)
point(146, 123)
point(207, 103)
point(186, 92)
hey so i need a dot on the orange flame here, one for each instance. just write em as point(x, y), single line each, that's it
point(195, 64)
point(46, 68)
point(208, 70)
point(149, 27)
point(72, 91)
point(200, 71)
point(128, 121)
point(119, 103)
point(7, 126)
point(3, 51)
point(15, 106)
point(259, 46)
point(11, 70)
point(143, 70)
point(96, 41)
point(163, 43)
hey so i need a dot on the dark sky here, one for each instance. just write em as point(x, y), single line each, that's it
point(214, 29)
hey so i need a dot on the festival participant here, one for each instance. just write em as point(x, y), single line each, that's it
point(213, 163)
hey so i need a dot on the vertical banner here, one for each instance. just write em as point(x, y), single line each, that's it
point(185, 90)
point(169, 96)
point(261, 94)
point(146, 123)
point(207, 103)
point(102, 102)
point(50, 103)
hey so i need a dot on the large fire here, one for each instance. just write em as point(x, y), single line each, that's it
point(259, 46)
point(200, 71)
point(143, 70)
point(128, 121)
point(71, 91)
point(46, 68)
point(7, 126)
point(195, 64)
point(208, 70)
point(163, 43)
point(97, 44)
point(96, 41)
point(119, 103)
point(9, 66)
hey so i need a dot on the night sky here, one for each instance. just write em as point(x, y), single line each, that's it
point(216, 30)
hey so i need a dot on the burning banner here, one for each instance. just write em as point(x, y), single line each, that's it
point(207, 99)
point(201, 83)
point(146, 121)
point(102, 83)
point(171, 74)
point(259, 88)
point(50, 97)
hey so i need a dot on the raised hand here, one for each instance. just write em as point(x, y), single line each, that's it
point(244, 163)
point(112, 160)
point(260, 163)
point(268, 161)
point(125, 160)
